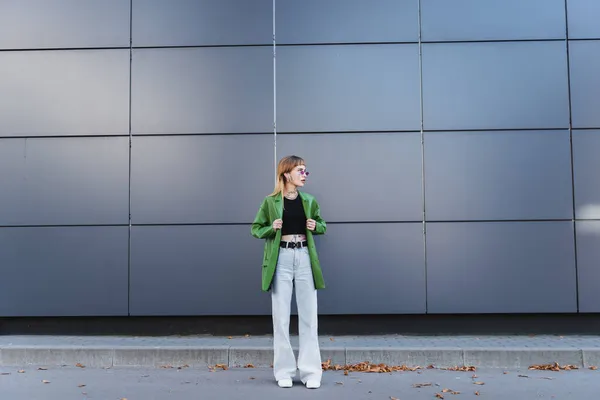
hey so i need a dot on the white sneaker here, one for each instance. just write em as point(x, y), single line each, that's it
point(285, 383)
point(313, 384)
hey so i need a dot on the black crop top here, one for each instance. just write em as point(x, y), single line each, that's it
point(294, 219)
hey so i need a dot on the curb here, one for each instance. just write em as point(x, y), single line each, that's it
point(239, 357)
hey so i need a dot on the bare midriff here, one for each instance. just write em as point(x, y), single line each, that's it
point(293, 238)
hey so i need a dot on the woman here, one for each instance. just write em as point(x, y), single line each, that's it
point(288, 219)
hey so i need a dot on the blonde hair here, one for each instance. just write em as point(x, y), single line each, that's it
point(286, 165)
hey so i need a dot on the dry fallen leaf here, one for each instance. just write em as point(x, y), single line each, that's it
point(229, 337)
point(420, 385)
point(21, 371)
point(346, 372)
point(166, 366)
point(439, 396)
point(476, 393)
point(553, 367)
point(450, 391)
point(79, 365)
point(45, 381)
point(366, 367)
point(478, 383)
point(183, 366)
point(222, 366)
point(249, 366)
point(246, 335)
point(464, 368)
point(394, 398)
point(331, 339)
point(593, 368)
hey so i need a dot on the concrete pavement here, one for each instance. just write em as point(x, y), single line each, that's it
point(133, 383)
point(239, 351)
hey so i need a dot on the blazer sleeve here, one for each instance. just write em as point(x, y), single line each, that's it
point(261, 226)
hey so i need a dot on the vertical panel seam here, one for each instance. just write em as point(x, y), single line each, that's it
point(274, 97)
point(422, 134)
point(129, 172)
point(571, 151)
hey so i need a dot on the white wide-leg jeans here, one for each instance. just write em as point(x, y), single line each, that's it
point(293, 269)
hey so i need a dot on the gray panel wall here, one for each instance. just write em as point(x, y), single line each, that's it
point(452, 145)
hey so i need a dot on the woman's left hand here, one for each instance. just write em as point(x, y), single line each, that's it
point(311, 224)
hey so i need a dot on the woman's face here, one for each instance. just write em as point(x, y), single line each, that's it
point(298, 176)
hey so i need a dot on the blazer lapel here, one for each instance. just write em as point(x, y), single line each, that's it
point(305, 205)
point(278, 206)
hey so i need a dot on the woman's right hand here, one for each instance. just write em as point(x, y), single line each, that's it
point(277, 224)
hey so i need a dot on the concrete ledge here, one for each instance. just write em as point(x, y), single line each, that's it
point(257, 356)
point(170, 356)
point(99, 357)
point(440, 357)
point(336, 355)
point(522, 357)
point(591, 357)
point(241, 356)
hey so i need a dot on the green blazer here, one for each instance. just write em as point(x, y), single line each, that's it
point(262, 228)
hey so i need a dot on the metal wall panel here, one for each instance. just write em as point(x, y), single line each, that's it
point(349, 101)
point(588, 254)
point(64, 181)
point(372, 269)
point(585, 83)
point(443, 20)
point(196, 270)
point(586, 164)
point(200, 179)
point(583, 19)
point(202, 22)
point(202, 90)
point(495, 86)
point(346, 21)
point(498, 175)
point(43, 24)
point(370, 164)
point(77, 271)
point(64, 92)
point(348, 88)
point(501, 267)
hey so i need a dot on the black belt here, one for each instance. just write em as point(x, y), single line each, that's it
point(293, 245)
